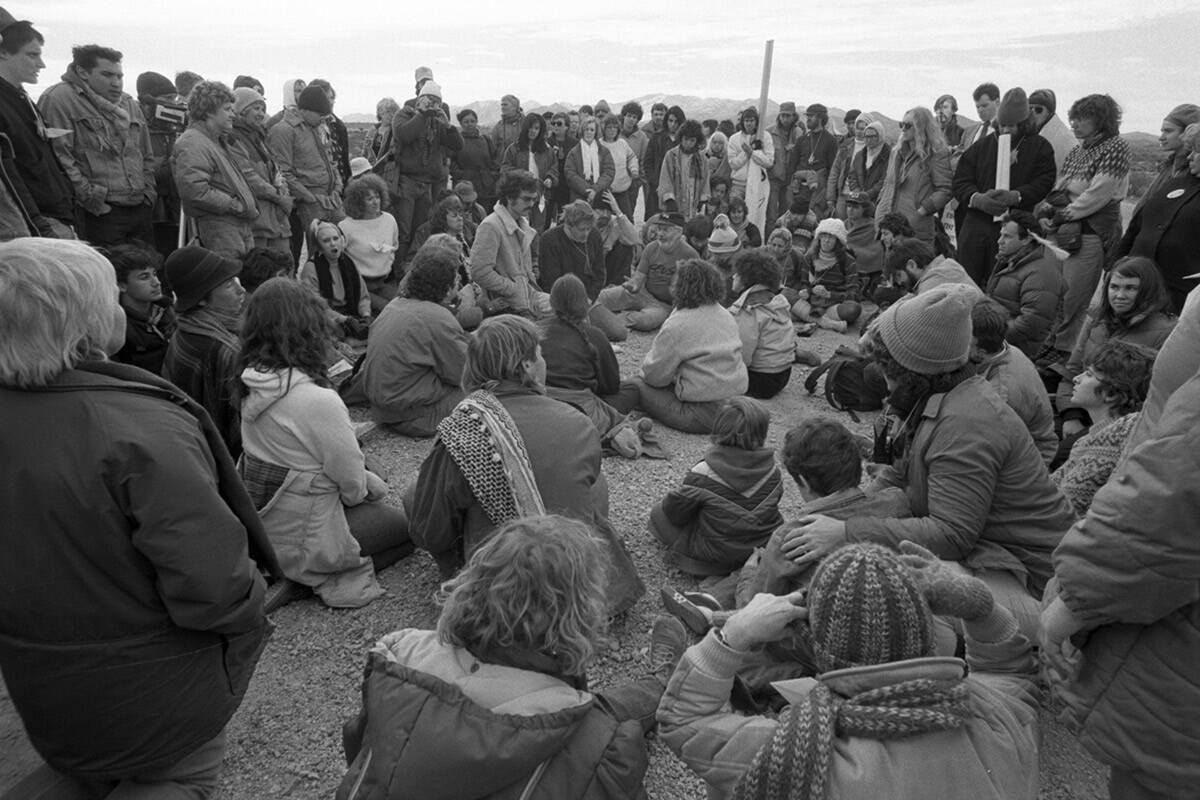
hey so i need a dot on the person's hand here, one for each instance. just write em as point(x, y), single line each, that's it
point(921, 212)
point(1006, 197)
point(591, 195)
point(949, 589)
point(611, 200)
point(774, 562)
point(1073, 427)
point(285, 202)
point(377, 487)
point(817, 537)
point(746, 148)
point(630, 287)
point(547, 183)
point(802, 294)
point(1059, 656)
point(765, 618)
point(821, 292)
point(987, 205)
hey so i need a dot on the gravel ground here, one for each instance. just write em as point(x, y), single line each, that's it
point(285, 742)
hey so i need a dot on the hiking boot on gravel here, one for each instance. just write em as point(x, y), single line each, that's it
point(668, 640)
point(689, 608)
point(282, 592)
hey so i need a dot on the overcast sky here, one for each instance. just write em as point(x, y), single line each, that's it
point(868, 54)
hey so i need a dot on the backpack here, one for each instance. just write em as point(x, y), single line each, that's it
point(852, 382)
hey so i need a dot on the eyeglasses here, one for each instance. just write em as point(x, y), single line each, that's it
point(557, 124)
point(908, 126)
point(527, 198)
point(870, 135)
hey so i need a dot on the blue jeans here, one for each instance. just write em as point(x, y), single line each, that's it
point(664, 406)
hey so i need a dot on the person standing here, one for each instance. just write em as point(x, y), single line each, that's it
point(815, 152)
point(271, 229)
point(918, 182)
point(41, 184)
point(987, 100)
point(1042, 105)
point(166, 117)
point(423, 139)
point(683, 182)
point(506, 131)
point(784, 133)
point(339, 138)
point(662, 140)
point(750, 157)
point(107, 155)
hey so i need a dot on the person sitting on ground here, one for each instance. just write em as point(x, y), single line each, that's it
point(575, 247)
point(892, 286)
point(721, 249)
point(372, 237)
point(501, 263)
point(581, 367)
point(917, 267)
point(869, 615)
point(132, 604)
point(332, 274)
point(764, 323)
point(719, 186)
point(301, 463)
point(748, 233)
point(1111, 389)
point(495, 701)
point(202, 355)
point(863, 242)
point(695, 362)
point(1012, 374)
point(263, 263)
point(829, 296)
point(779, 246)
point(697, 230)
point(1026, 281)
point(980, 493)
point(646, 297)
point(619, 238)
point(728, 503)
point(412, 372)
point(449, 216)
point(149, 318)
point(1133, 308)
point(474, 210)
point(506, 451)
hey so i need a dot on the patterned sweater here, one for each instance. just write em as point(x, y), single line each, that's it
point(1092, 460)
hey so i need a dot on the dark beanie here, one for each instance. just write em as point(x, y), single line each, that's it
point(1044, 97)
point(313, 98)
point(1014, 108)
point(817, 108)
point(193, 272)
point(246, 81)
point(851, 115)
point(152, 84)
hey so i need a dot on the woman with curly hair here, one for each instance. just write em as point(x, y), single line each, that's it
point(918, 179)
point(749, 235)
point(372, 237)
point(750, 158)
point(530, 153)
point(449, 216)
point(1133, 309)
point(212, 189)
point(1111, 390)
point(764, 322)
point(495, 701)
point(695, 362)
point(301, 462)
point(1084, 209)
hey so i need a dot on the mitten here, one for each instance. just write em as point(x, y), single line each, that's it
point(950, 593)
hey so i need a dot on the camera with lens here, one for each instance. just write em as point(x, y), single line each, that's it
point(168, 115)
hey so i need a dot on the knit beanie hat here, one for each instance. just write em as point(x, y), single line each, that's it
point(834, 227)
point(781, 233)
point(193, 272)
point(313, 98)
point(153, 84)
point(359, 166)
point(930, 333)
point(431, 88)
point(244, 97)
point(723, 239)
point(1184, 115)
point(1014, 107)
point(865, 608)
point(249, 81)
point(1044, 97)
point(423, 74)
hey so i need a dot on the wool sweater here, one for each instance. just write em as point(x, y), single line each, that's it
point(625, 163)
point(1093, 458)
point(699, 351)
point(371, 244)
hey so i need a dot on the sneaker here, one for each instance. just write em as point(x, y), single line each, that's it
point(668, 640)
point(687, 611)
point(806, 357)
point(282, 592)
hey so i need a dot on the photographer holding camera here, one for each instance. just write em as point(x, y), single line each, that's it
point(166, 116)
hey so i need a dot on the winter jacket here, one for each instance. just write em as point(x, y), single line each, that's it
point(1148, 330)
point(866, 247)
point(573, 172)
point(1031, 175)
point(862, 178)
point(652, 157)
point(506, 132)
point(992, 757)
point(558, 255)
point(913, 183)
point(146, 337)
point(210, 181)
point(16, 220)
point(764, 322)
point(572, 364)
point(422, 145)
point(1060, 137)
point(131, 623)
point(698, 351)
point(478, 162)
point(1016, 380)
point(626, 164)
point(415, 358)
point(1129, 572)
point(781, 169)
point(1029, 286)
point(979, 491)
point(501, 259)
point(49, 192)
point(107, 156)
point(252, 154)
point(727, 506)
point(684, 179)
point(291, 422)
point(840, 171)
point(545, 161)
point(1166, 228)
point(440, 724)
point(302, 155)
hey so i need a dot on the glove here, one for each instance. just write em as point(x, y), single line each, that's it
point(1007, 197)
point(987, 205)
point(950, 593)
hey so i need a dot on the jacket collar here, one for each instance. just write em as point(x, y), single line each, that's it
point(856, 680)
point(511, 224)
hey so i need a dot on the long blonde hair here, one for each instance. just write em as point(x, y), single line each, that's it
point(928, 138)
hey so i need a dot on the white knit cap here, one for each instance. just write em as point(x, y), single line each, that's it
point(834, 227)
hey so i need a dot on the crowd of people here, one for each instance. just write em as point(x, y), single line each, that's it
point(193, 293)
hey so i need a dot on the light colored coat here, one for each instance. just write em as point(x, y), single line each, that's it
point(501, 259)
point(699, 351)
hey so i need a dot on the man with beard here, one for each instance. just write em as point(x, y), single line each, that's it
point(107, 155)
point(1043, 104)
point(683, 183)
point(786, 133)
point(1031, 178)
point(656, 151)
point(815, 152)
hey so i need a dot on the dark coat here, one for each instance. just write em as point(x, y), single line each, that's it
point(146, 338)
point(1167, 229)
point(131, 623)
point(1029, 288)
point(477, 162)
point(558, 256)
point(869, 180)
point(38, 169)
point(422, 145)
point(1032, 176)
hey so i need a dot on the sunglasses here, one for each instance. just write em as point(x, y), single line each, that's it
point(557, 124)
point(908, 126)
point(870, 135)
point(1038, 109)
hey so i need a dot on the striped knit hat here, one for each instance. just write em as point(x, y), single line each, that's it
point(930, 333)
point(864, 608)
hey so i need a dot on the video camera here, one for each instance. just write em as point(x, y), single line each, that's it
point(166, 114)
